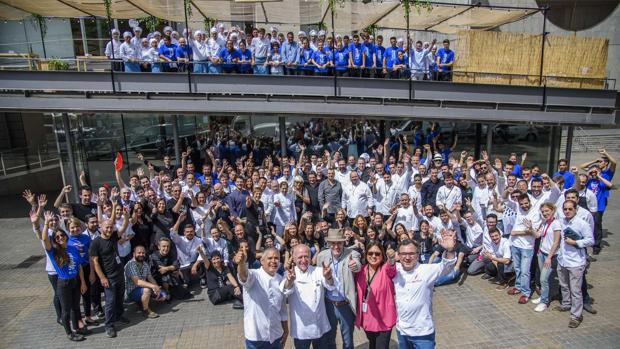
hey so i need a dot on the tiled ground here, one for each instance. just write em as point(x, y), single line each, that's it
point(470, 314)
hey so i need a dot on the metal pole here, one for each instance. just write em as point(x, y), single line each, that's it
point(175, 135)
point(478, 136)
point(83, 32)
point(125, 144)
point(554, 147)
point(334, 41)
point(542, 53)
point(42, 36)
point(282, 121)
point(569, 143)
point(70, 156)
point(113, 58)
point(189, 77)
point(408, 55)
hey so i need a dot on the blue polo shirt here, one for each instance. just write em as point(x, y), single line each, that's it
point(445, 56)
point(341, 59)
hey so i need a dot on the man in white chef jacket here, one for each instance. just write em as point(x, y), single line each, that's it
point(265, 321)
point(304, 286)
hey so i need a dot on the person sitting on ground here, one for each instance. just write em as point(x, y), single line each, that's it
point(141, 286)
point(221, 284)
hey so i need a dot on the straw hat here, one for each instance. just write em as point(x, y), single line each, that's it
point(335, 235)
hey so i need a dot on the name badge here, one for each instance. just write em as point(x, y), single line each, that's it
point(364, 307)
point(118, 259)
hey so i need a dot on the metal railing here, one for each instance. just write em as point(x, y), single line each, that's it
point(19, 160)
point(102, 63)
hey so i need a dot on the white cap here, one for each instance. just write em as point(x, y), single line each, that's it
point(155, 33)
point(153, 40)
point(167, 29)
point(273, 29)
point(137, 29)
point(321, 32)
point(301, 33)
point(126, 34)
point(174, 33)
point(233, 35)
point(219, 26)
point(197, 32)
point(213, 30)
point(144, 40)
point(313, 32)
point(115, 31)
point(372, 37)
point(400, 40)
point(338, 36)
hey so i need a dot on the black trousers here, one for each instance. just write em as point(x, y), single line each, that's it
point(492, 270)
point(378, 340)
point(86, 298)
point(53, 279)
point(69, 293)
point(186, 273)
point(223, 294)
point(95, 291)
point(598, 230)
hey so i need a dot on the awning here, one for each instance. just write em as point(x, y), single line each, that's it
point(350, 16)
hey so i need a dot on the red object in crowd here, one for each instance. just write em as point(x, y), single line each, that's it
point(118, 162)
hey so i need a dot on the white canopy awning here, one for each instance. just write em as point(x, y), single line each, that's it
point(350, 15)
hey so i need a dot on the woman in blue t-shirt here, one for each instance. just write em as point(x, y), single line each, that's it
point(245, 60)
point(66, 261)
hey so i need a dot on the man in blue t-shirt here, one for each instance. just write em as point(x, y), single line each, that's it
point(321, 60)
point(356, 56)
point(168, 53)
point(391, 55)
point(369, 52)
point(569, 178)
point(341, 60)
point(379, 58)
point(184, 54)
point(229, 56)
point(600, 186)
point(445, 60)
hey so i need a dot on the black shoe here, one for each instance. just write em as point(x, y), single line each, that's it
point(588, 307)
point(560, 308)
point(75, 337)
point(486, 276)
point(100, 314)
point(90, 321)
point(111, 332)
point(596, 251)
point(237, 304)
point(574, 323)
point(123, 320)
point(203, 283)
point(83, 331)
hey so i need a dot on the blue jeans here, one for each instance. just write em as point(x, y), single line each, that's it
point(156, 68)
point(545, 276)
point(259, 67)
point(339, 314)
point(522, 260)
point(416, 342)
point(214, 68)
point(114, 296)
point(448, 278)
point(132, 67)
point(201, 67)
point(317, 343)
point(262, 345)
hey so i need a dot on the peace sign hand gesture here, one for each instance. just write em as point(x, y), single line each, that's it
point(327, 271)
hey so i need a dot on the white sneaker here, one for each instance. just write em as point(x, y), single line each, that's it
point(535, 301)
point(540, 307)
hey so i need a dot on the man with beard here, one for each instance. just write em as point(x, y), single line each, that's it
point(141, 286)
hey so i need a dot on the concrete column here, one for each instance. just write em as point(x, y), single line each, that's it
point(70, 156)
point(569, 143)
point(490, 139)
point(175, 135)
point(282, 121)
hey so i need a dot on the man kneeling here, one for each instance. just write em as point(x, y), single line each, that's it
point(141, 286)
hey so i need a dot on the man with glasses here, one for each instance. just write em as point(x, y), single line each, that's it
point(340, 302)
point(576, 236)
point(413, 286)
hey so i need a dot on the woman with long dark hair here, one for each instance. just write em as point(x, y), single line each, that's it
point(376, 310)
point(66, 261)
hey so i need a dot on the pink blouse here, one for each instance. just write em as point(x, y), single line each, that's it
point(380, 312)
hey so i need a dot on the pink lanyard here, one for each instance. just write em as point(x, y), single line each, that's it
point(547, 227)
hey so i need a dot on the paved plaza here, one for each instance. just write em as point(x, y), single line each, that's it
point(469, 314)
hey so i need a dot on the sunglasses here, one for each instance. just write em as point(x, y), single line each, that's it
point(376, 254)
point(59, 237)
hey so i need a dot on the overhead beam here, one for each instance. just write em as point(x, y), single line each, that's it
point(199, 10)
point(140, 8)
point(76, 8)
point(385, 14)
point(449, 18)
point(262, 5)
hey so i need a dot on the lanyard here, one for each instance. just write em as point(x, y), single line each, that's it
point(547, 227)
point(369, 282)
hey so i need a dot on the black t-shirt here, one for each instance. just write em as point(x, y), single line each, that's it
point(107, 252)
point(185, 206)
point(81, 211)
point(215, 279)
point(425, 245)
point(255, 215)
point(458, 248)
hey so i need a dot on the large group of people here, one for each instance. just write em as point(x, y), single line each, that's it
point(221, 50)
point(326, 238)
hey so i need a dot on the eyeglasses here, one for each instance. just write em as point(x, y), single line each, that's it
point(376, 254)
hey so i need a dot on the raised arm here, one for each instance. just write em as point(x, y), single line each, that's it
point(59, 199)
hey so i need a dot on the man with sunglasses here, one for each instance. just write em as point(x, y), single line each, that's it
point(576, 236)
point(413, 286)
